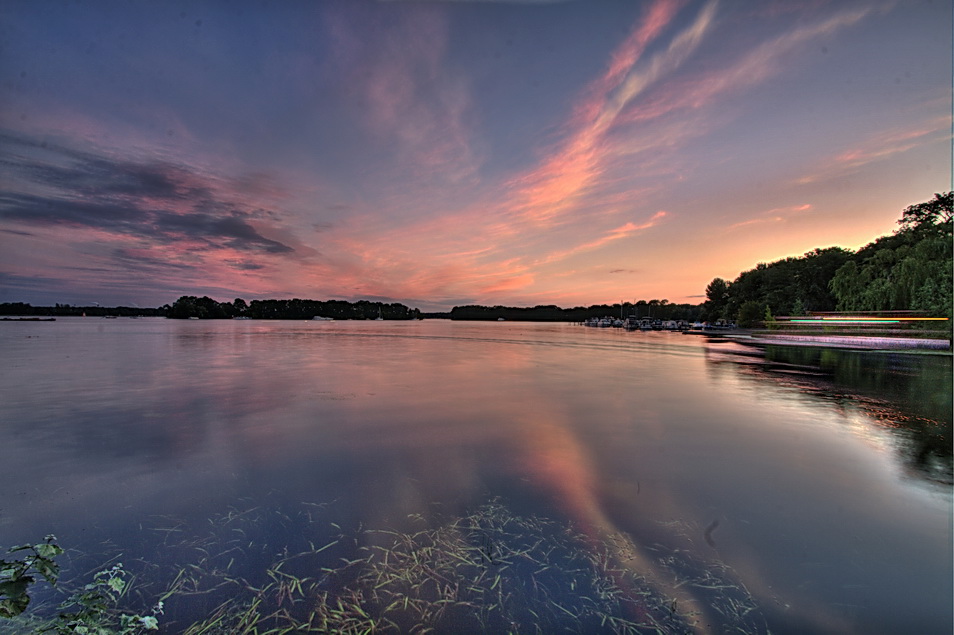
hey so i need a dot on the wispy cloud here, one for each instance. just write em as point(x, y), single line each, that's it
point(753, 67)
point(880, 147)
point(475, 237)
point(549, 190)
point(157, 202)
point(642, 105)
point(348, 157)
point(508, 284)
point(774, 215)
point(615, 234)
point(416, 105)
point(120, 222)
point(487, 1)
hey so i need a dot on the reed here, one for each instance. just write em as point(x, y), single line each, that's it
point(261, 571)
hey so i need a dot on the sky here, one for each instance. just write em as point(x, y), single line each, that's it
point(455, 152)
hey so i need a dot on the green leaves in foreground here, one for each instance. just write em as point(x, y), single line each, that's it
point(92, 610)
point(17, 575)
point(265, 572)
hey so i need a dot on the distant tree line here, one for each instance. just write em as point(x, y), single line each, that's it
point(189, 306)
point(908, 270)
point(661, 309)
point(24, 308)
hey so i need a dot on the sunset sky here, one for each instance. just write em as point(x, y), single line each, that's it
point(456, 152)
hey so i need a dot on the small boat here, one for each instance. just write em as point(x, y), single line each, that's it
point(321, 318)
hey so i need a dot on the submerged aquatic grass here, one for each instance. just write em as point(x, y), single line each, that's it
point(263, 571)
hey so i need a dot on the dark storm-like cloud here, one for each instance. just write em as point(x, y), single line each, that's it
point(246, 266)
point(49, 184)
point(100, 177)
point(232, 230)
point(48, 210)
point(17, 232)
point(85, 173)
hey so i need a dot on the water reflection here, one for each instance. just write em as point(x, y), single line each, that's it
point(908, 395)
point(774, 465)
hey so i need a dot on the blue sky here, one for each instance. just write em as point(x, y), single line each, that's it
point(442, 153)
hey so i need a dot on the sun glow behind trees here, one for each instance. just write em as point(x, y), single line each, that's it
point(910, 270)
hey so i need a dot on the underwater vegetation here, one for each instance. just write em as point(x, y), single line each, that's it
point(261, 571)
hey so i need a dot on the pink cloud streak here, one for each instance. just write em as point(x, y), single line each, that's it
point(877, 148)
point(408, 96)
point(536, 197)
point(620, 232)
point(776, 215)
point(576, 171)
point(547, 191)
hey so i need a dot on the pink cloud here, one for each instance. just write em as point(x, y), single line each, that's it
point(877, 148)
point(774, 215)
point(693, 93)
point(407, 93)
point(439, 257)
point(546, 214)
point(565, 192)
point(585, 176)
point(507, 284)
point(549, 190)
point(621, 232)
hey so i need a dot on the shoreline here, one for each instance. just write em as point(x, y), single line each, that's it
point(917, 345)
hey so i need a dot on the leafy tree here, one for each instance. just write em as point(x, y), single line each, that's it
point(813, 272)
point(184, 308)
point(294, 309)
point(750, 314)
point(717, 294)
point(798, 308)
point(933, 214)
point(908, 270)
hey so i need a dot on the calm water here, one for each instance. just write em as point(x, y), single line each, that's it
point(818, 481)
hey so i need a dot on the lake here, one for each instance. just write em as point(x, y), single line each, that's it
point(670, 479)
